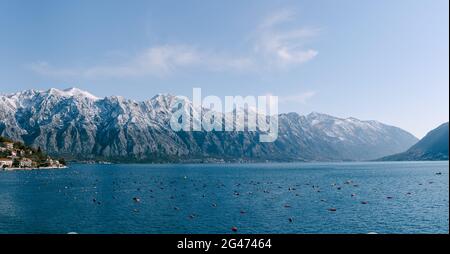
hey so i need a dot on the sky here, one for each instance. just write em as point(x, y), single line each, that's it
point(374, 60)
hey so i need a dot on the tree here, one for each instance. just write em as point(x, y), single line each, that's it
point(16, 163)
point(5, 154)
point(3, 139)
point(62, 161)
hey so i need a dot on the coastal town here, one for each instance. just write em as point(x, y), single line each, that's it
point(17, 156)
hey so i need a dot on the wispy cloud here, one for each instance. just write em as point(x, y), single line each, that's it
point(155, 61)
point(284, 47)
point(273, 48)
point(301, 98)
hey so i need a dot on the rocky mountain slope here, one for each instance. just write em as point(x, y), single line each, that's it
point(434, 146)
point(77, 125)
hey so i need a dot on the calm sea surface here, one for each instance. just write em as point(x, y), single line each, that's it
point(382, 197)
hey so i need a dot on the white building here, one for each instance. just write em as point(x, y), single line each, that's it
point(9, 145)
point(25, 163)
point(49, 161)
point(4, 162)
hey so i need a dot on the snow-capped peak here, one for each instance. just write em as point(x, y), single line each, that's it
point(72, 92)
point(68, 122)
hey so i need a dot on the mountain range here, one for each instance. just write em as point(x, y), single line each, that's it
point(434, 146)
point(77, 125)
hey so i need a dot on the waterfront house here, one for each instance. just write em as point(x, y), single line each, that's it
point(49, 161)
point(8, 145)
point(25, 163)
point(5, 162)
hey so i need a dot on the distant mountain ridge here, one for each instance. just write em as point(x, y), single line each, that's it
point(78, 125)
point(434, 146)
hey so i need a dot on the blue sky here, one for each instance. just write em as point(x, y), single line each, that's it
point(383, 60)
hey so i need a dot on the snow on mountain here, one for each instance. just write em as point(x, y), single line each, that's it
point(78, 125)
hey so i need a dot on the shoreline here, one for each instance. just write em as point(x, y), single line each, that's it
point(29, 169)
point(244, 163)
